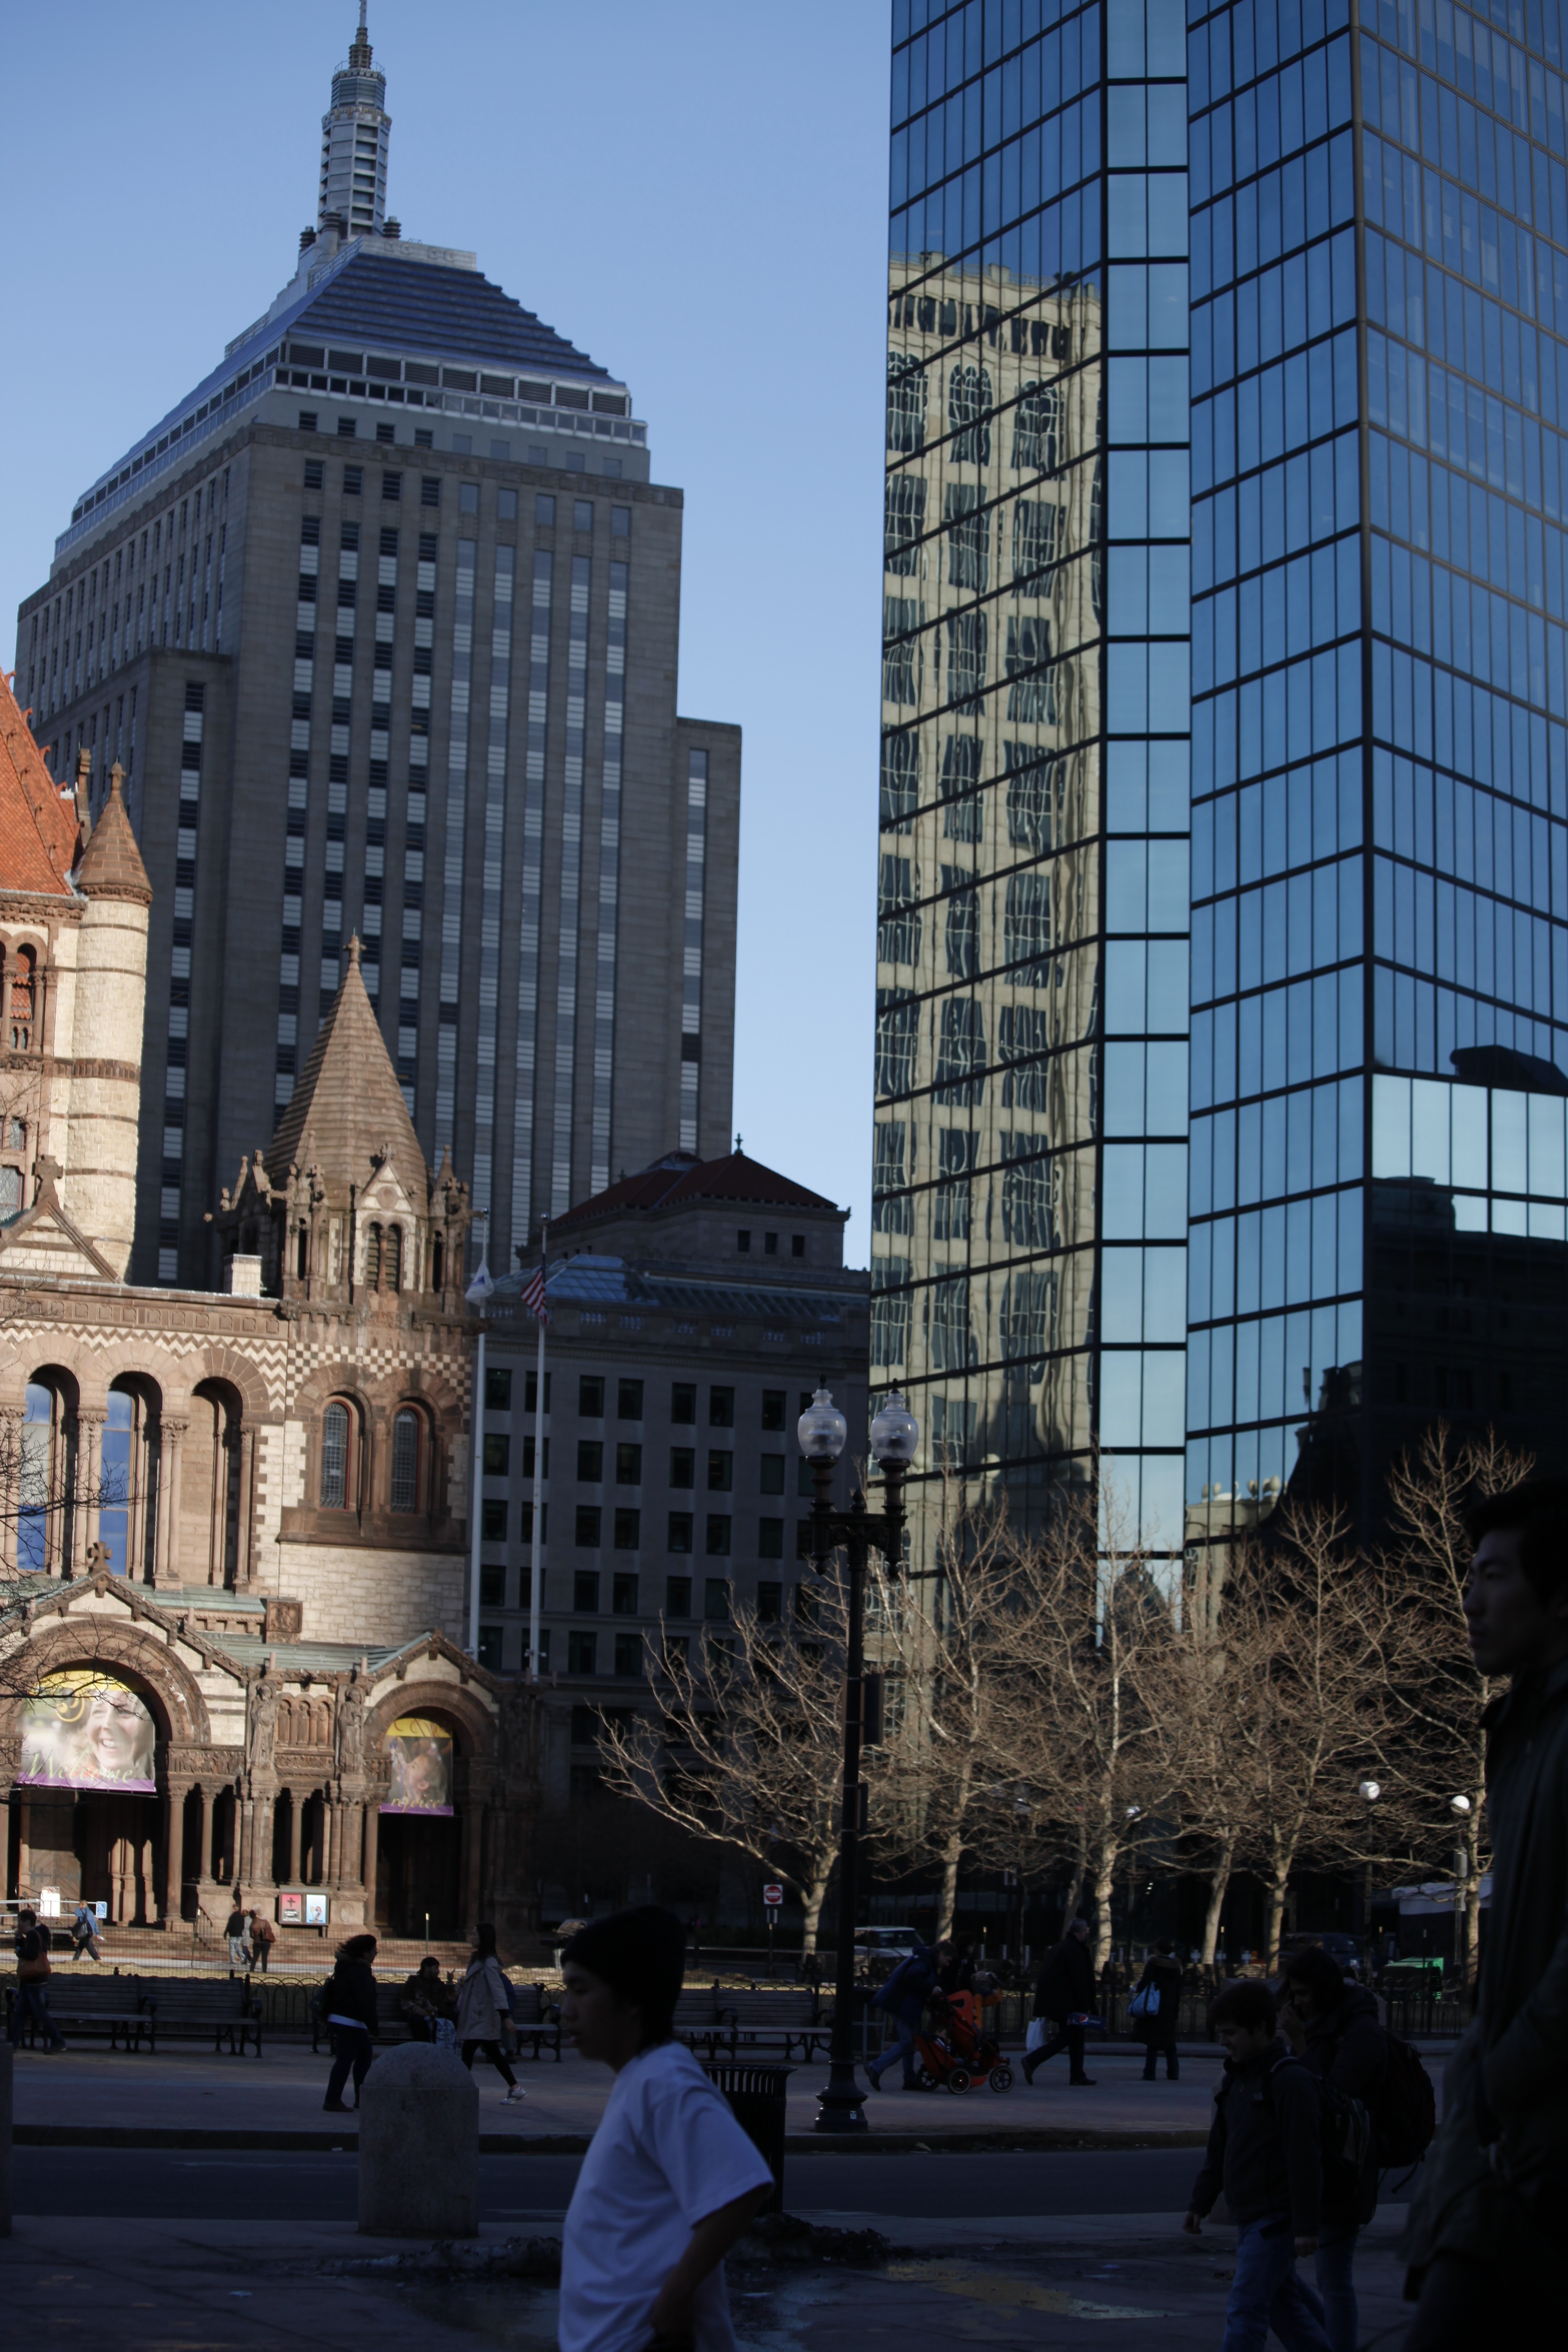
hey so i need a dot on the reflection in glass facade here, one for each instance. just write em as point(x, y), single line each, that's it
point(1332, 255)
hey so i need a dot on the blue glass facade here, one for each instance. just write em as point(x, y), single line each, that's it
point(1345, 242)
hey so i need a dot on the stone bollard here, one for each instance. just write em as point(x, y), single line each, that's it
point(8, 2061)
point(419, 2145)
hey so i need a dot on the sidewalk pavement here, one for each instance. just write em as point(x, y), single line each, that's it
point(90, 2094)
point(234, 2286)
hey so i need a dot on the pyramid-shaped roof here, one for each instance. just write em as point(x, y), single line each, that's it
point(37, 822)
point(348, 1101)
point(681, 1178)
point(111, 864)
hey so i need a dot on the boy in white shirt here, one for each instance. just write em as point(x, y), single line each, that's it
point(671, 2181)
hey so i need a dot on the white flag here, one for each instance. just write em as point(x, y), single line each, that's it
point(480, 1289)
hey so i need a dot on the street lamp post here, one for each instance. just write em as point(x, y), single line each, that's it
point(895, 1433)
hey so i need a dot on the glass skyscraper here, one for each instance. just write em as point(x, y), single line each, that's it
point(1223, 1007)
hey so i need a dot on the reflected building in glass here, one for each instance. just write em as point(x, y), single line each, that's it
point(1333, 260)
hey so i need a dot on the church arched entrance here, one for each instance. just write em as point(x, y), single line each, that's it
point(419, 1849)
point(88, 1821)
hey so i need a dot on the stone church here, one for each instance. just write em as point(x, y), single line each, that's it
point(233, 1523)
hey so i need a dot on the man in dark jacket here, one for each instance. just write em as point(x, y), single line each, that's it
point(1334, 2027)
point(1484, 2238)
point(904, 1997)
point(1265, 2151)
point(31, 1946)
point(1161, 1978)
point(1065, 1992)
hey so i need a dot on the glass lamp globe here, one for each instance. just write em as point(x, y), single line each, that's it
point(895, 1432)
point(1369, 1790)
point(822, 1428)
point(1459, 1805)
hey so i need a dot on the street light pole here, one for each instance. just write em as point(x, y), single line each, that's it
point(821, 1431)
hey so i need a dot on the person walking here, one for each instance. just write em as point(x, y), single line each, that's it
point(671, 2181)
point(904, 1998)
point(31, 1946)
point(1064, 1996)
point(1333, 2026)
point(1264, 2150)
point(484, 2010)
point(1161, 1980)
point(1484, 2239)
point(84, 1933)
point(349, 2005)
point(263, 1935)
point(235, 1929)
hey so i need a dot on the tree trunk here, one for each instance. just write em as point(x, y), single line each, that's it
point(1075, 1889)
point(947, 1893)
point(1219, 1887)
point(1103, 1887)
point(1279, 1881)
point(813, 1895)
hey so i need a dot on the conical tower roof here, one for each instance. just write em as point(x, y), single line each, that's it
point(110, 865)
point(348, 1100)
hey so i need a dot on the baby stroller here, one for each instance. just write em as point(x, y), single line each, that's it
point(959, 2052)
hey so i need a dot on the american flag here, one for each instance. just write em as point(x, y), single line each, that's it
point(534, 1296)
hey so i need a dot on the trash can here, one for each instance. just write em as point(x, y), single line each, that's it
point(756, 2096)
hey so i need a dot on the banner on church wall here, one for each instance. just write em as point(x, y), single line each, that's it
point(82, 1730)
point(420, 1752)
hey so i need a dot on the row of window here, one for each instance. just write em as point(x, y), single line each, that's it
point(591, 1393)
point(346, 1459)
point(627, 1462)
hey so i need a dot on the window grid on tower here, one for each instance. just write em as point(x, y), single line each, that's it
point(287, 1051)
point(487, 1082)
point(609, 877)
point(528, 928)
point(180, 984)
point(571, 888)
point(457, 814)
point(691, 962)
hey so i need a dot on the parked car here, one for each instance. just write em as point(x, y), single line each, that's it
point(878, 1951)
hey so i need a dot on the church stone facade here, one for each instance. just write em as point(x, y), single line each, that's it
point(232, 1524)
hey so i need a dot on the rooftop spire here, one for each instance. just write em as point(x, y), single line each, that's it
point(355, 134)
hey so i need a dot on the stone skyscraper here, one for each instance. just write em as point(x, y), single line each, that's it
point(1261, 1230)
point(381, 622)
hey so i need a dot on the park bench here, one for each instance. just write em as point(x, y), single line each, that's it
point(188, 2009)
point(730, 2019)
point(91, 2005)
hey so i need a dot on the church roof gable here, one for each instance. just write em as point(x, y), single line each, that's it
point(348, 1102)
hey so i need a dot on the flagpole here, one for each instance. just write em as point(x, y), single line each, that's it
point(536, 1577)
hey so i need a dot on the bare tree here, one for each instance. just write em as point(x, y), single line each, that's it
point(1437, 1750)
point(1195, 1698)
point(749, 1750)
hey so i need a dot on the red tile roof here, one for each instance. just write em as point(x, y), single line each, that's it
point(37, 823)
point(678, 1179)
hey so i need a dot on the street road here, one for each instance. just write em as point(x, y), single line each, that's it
point(283, 2186)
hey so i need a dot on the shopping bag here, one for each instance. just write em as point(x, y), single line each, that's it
point(1037, 2036)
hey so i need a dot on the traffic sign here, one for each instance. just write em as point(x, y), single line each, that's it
point(773, 1895)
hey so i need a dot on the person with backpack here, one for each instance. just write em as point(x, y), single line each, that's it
point(31, 1946)
point(349, 2006)
point(1333, 2028)
point(1264, 2150)
point(1484, 2239)
point(1159, 1989)
point(1064, 1996)
point(904, 1998)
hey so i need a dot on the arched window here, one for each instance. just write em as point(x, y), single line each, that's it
point(16, 1135)
point(10, 1194)
point(406, 1435)
point(372, 1259)
point(114, 1511)
point(336, 1437)
point(37, 1462)
point(24, 999)
point(392, 1278)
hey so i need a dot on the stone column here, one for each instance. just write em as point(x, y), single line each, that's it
point(468, 1880)
point(90, 1440)
point(245, 1562)
point(175, 1855)
point(24, 1843)
point(372, 1851)
point(11, 1425)
point(296, 1827)
point(168, 1547)
point(261, 1876)
point(332, 1858)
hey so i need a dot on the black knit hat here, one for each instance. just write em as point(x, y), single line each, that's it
point(641, 1956)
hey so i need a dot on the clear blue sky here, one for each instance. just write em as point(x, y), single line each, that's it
point(694, 191)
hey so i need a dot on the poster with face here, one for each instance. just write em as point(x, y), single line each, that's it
point(420, 1752)
point(81, 1730)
